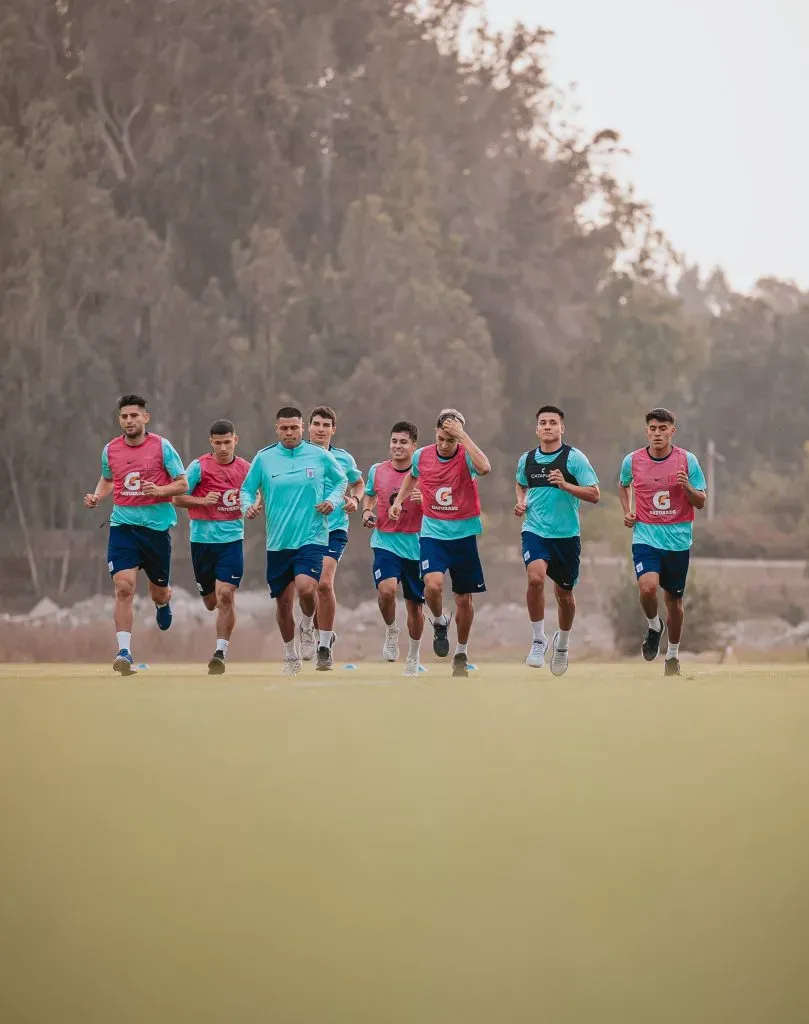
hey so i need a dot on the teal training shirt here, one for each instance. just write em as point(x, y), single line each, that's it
point(551, 512)
point(161, 516)
point(292, 482)
point(338, 520)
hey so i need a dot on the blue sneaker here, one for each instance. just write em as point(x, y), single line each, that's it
point(163, 616)
point(123, 663)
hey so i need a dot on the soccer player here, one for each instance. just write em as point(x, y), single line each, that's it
point(667, 485)
point(143, 472)
point(396, 544)
point(301, 484)
point(447, 472)
point(322, 428)
point(217, 531)
point(552, 480)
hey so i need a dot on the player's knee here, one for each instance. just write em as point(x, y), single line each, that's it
point(565, 598)
point(124, 589)
point(324, 587)
point(209, 600)
point(387, 589)
point(463, 602)
point(647, 587)
point(536, 578)
point(225, 596)
point(433, 589)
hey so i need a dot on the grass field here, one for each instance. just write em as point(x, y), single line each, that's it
point(606, 847)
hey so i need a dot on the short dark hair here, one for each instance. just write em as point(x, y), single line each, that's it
point(289, 412)
point(221, 427)
point(131, 400)
point(551, 408)
point(405, 427)
point(660, 414)
point(325, 412)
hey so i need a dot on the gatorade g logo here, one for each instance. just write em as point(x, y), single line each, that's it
point(662, 501)
point(230, 499)
point(132, 484)
point(443, 497)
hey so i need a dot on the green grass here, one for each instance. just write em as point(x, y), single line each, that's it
point(606, 847)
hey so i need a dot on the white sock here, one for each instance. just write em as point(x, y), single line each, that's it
point(162, 605)
point(392, 628)
point(414, 649)
point(222, 645)
point(307, 621)
point(460, 648)
point(564, 640)
point(290, 650)
point(539, 629)
point(673, 651)
point(124, 640)
point(655, 624)
point(325, 638)
point(441, 620)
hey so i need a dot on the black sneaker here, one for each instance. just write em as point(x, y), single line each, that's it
point(460, 665)
point(651, 645)
point(325, 662)
point(216, 666)
point(671, 667)
point(441, 639)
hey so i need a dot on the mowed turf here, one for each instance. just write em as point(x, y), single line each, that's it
point(606, 847)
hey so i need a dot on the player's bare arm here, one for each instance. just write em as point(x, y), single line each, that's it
point(368, 507)
point(178, 486)
point(407, 488)
point(189, 501)
point(590, 493)
point(625, 497)
point(103, 489)
point(694, 497)
point(455, 429)
point(521, 504)
point(354, 496)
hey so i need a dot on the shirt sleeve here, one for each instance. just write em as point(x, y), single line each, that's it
point(172, 462)
point(335, 479)
point(193, 476)
point(414, 467)
point(521, 478)
point(369, 482)
point(252, 482)
point(106, 472)
point(626, 471)
point(695, 475)
point(352, 470)
point(470, 465)
point(581, 468)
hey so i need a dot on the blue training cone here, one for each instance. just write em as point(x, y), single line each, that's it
point(351, 668)
point(472, 668)
point(423, 669)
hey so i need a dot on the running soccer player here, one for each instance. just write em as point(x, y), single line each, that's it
point(447, 472)
point(143, 472)
point(322, 428)
point(396, 544)
point(552, 480)
point(217, 531)
point(667, 485)
point(301, 485)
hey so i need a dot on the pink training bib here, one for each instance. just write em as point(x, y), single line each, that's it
point(132, 465)
point(659, 499)
point(227, 480)
point(387, 481)
point(450, 491)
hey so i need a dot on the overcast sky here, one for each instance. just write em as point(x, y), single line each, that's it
point(711, 97)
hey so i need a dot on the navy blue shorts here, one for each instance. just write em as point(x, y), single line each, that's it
point(337, 544)
point(563, 555)
point(284, 566)
point(458, 557)
point(139, 547)
point(390, 566)
point(671, 566)
point(212, 562)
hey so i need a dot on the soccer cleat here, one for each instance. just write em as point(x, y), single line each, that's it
point(536, 656)
point(163, 616)
point(216, 666)
point(390, 651)
point(123, 663)
point(651, 645)
point(308, 643)
point(460, 665)
point(292, 666)
point(671, 667)
point(558, 658)
point(441, 639)
point(325, 662)
point(411, 667)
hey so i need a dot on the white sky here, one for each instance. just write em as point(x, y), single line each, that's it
point(711, 98)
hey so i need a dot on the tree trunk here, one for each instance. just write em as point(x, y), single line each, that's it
point(26, 537)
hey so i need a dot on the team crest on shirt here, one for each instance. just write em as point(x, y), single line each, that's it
point(310, 472)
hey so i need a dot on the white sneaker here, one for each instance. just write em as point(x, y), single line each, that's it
point(390, 651)
point(411, 667)
point(536, 656)
point(558, 658)
point(308, 643)
point(292, 666)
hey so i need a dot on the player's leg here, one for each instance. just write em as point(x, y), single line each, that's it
point(326, 603)
point(647, 562)
point(387, 573)
point(435, 560)
point(536, 556)
point(203, 562)
point(123, 560)
point(563, 569)
point(228, 571)
point(281, 582)
point(413, 589)
point(673, 576)
point(156, 563)
point(466, 574)
point(308, 568)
